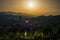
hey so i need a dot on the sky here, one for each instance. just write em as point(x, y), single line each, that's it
point(34, 7)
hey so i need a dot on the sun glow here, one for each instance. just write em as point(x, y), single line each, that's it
point(31, 4)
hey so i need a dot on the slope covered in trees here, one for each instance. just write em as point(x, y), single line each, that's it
point(21, 27)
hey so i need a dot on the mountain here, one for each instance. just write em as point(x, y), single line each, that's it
point(17, 14)
point(26, 20)
point(14, 26)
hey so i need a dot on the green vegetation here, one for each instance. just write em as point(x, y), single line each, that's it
point(48, 33)
point(26, 28)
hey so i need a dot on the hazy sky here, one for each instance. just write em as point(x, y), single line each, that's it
point(39, 7)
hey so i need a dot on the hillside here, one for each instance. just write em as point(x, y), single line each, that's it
point(13, 24)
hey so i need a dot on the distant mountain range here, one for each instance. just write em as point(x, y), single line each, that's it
point(27, 20)
point(18, 14)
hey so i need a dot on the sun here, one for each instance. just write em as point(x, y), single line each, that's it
point(31, 5)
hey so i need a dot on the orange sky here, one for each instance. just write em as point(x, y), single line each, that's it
point(45, 7)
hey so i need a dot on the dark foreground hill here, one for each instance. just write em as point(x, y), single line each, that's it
point(8, 18)
point(13, 24)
